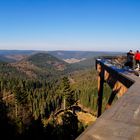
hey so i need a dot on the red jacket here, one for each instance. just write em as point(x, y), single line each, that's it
point(137, 56)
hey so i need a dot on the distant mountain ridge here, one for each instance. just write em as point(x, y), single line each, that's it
point(14, 55)
point(14, 52)
point(80, 54)
point(5, 59)
point(42, 64)
point(58, 54)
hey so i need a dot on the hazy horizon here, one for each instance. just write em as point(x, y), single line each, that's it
point(81, 25)
point(57, 50)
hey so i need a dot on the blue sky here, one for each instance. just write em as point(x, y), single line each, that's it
point(95, 25)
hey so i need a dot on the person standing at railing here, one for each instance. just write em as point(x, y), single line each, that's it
point(130, 59)
point(137, 59)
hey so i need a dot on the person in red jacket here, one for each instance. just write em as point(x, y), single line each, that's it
point(137, 59)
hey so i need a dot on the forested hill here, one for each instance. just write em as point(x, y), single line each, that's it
point(41, 66)
point(45, 60)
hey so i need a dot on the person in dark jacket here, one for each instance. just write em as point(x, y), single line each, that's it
point(130, 59)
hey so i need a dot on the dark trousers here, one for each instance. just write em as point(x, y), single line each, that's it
point(129, 64)
point(138, 63)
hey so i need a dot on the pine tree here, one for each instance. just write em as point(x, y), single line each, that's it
point(68, 93)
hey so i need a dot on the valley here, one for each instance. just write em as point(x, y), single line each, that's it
point(34, 88)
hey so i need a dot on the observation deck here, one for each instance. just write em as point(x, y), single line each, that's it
point(120, 121)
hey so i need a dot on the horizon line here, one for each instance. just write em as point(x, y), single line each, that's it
point(57, 50)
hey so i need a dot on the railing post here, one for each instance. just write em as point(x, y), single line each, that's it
point(100, 88)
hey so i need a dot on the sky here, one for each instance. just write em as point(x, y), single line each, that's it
point(86, 25)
